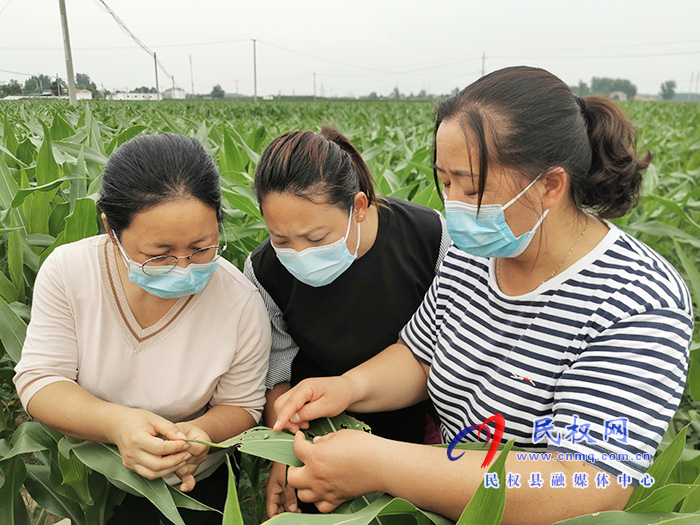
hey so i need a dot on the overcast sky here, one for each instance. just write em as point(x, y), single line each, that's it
point(354, 46)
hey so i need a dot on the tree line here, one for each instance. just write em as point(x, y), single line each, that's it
point(606, 86)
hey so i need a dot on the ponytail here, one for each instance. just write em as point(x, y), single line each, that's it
point(615, 176)
point(365, 180)
point(312, 165)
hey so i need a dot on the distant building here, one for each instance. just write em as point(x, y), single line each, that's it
point(83, 94)
point(174, 93)
point(618, 95)
point(645, 98)
point(132, 96)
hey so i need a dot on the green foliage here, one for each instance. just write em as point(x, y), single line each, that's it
point(51, 157)
point(668, 90)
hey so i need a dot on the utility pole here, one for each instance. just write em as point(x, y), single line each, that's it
point(191, 76)
point(483, 63)
point(236, 86)
point(58, 85)
point(255, 73)
point(172, 93)
point(690, 91)
point(155, 60)
point(314, 86)
point(69, 55)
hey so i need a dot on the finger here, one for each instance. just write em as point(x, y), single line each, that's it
point(161, 447)
point(302, 448)
point(150, 473)
point(289, 403)
point(188, 483)
point(323, 406)
point(170, 430)
point(307, 495)
point(273, 500)
point(325, 506)
point(290, 499)
point(161, 466)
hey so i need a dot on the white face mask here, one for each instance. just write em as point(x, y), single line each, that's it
point(319, 265)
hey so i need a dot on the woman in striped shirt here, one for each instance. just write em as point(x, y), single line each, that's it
point(542, 312)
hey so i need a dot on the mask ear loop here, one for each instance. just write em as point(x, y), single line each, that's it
point(359, 232)
point(505, 206)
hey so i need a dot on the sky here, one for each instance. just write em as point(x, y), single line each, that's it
point(353, 47)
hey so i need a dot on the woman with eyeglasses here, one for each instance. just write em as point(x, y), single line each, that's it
point(145, 336)
point(341, 273)
point(575, 333)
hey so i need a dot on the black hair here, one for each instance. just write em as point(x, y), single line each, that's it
point(149, 170)
point(309, 164)
point(535, 123)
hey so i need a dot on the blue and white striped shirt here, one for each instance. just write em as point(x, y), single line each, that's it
point(607, 338)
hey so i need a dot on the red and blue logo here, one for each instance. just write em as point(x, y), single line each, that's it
point(498, 435)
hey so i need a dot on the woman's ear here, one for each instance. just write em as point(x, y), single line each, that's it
point(554, 188)
point(107, 228)
point(360, 206)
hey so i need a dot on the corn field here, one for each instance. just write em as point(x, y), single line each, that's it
point(51, 158)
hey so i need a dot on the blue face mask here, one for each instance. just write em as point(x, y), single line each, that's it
point(484, 232)
point(319, 265)
point(177, 282)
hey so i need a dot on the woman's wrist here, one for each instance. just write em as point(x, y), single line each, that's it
point(355, 388)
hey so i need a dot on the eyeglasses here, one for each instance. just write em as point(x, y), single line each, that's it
point(162, 264)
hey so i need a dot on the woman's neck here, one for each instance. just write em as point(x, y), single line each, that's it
point(368, 230)
point(562, 239)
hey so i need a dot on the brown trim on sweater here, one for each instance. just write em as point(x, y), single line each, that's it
point(121, 309)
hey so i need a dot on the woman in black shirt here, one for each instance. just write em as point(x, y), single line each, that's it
point(342, 272)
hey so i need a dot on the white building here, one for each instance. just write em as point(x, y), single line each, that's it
point(121, 95)
point(174, 93)
point(83, 94)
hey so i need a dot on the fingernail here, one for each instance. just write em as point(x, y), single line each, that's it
point(295, 418)
point(292, 508)
point(188, 456)
point(181, 435)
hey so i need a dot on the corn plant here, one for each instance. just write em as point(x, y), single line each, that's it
point(51, 158)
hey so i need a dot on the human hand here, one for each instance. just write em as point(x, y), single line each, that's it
point(281, 497)
point(312, 398)
point(137, 435)
point(198, 451)
point(336, 468)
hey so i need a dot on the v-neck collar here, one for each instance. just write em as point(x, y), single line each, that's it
point(128, 324)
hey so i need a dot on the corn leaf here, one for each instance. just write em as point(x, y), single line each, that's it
point(12, 331)
point(663, 499)
point(487, 504)
point(618, 517)
point(232, 509)
point(660, 469)
point(106, 460)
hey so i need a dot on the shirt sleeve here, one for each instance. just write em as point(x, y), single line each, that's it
point(243, 385)
point(50, 350)
point(445, 242)
point(421, 333)
point(283, 349)
point(616, 401)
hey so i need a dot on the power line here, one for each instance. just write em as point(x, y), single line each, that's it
point(5, 6)
point(584, 57)
point(136, 39)
point(16, 73)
